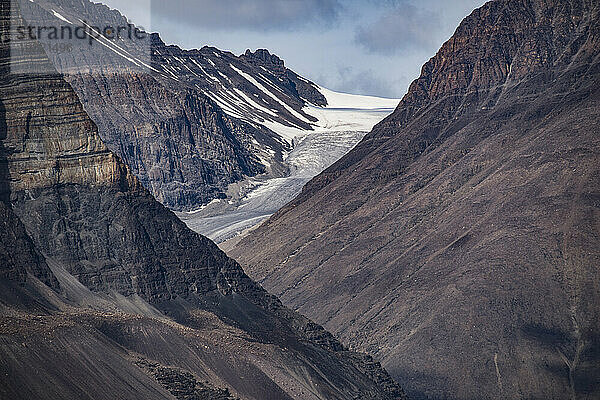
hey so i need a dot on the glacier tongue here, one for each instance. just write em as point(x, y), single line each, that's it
point(340, 126)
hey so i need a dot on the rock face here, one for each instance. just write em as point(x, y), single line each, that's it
point(187, 123)
point(302, 88)
point(459, 241)
point(104, 293)
point(182, 147)
point(18, 253)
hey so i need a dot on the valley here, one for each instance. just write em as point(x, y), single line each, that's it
point(197, 224)
point(106, 294)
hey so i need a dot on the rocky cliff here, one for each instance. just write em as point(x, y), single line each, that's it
point(458, 242)
point(106, 294)
point(187, 123)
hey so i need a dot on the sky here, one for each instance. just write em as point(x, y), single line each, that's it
point(371, 47)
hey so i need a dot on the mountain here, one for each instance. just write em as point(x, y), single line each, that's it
point(459, 241)
point(207, 132)
point(106, 294)
point(189, 123)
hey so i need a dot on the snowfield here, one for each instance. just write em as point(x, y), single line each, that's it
point(345, 100)
point(343, 112)
point(341, 125)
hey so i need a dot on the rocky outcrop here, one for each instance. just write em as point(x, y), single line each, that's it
point(96, 273)
point(458, 242)
point(182, 384)
point(18, 254)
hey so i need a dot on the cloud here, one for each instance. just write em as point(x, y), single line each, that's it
point(403, 29)
point(256, 15)
point(368, 82)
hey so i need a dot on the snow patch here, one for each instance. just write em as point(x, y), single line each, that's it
point(59, 16)
point(254, 103)
point(268, 93)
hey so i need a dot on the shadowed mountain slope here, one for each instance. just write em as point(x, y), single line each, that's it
point(459, 241)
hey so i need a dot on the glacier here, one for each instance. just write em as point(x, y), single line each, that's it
point(340, 126)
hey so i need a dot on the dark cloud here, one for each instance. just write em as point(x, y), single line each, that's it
point(403, 28)
point(256, 15)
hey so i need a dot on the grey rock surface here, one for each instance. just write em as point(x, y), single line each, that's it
point(187, 122)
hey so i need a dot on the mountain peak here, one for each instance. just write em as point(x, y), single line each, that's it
point(264, 57)
point(493, 49)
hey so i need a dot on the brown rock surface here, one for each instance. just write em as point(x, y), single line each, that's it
point(459, 242)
